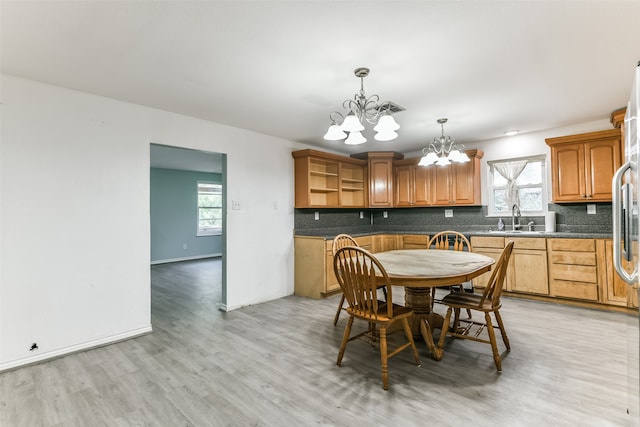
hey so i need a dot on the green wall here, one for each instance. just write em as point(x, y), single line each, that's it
point(174, 216)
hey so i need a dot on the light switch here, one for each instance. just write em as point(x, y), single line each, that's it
point(591, 209)
point(385, 214)
point(361, 215)
point(235, 204)
point(448, 213)
point(316, 215)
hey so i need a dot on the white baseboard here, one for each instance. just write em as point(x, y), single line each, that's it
point(189, 258)
point(111, 339)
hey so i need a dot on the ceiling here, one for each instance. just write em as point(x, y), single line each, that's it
point(280, 68)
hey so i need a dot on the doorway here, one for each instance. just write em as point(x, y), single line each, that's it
point(176, 212)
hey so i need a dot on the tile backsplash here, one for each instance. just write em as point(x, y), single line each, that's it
point(571, 218)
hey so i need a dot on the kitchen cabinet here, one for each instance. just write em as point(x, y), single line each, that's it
point(414, 241)
point(412, 184)
point(527, 270)
point(324, 180)
point(491, 247)
point(380, 176)
point(386, 242)
point(583, 165)
point(457, 184)
point(313, 265)
point(616, 291)
point(575, 268)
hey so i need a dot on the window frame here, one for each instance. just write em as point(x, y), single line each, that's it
point(208, 231)
point(543, 185)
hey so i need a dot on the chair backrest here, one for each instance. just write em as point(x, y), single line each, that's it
point(342, 240)
point(494, 286)
point(450, 240)
point(360, 275)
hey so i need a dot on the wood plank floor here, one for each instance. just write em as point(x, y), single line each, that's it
point(273, 364)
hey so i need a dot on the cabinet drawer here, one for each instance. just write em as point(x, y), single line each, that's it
point(487, 242)
point(573, 245)
point(573, 258)
point(576, 290)
point(529, 243)
point(575, 273)
point(415, 241)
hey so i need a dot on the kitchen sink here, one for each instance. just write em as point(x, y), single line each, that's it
point(516, 232)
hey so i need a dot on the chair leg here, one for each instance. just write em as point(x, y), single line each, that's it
point(345, 339)
point(456, 319)
point(492, 338)
point(335, 319)
point(445, 328)
point(503, 331)
point(409, 334)
point(384, 359)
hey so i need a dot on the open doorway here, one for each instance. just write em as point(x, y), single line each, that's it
point(188, 220)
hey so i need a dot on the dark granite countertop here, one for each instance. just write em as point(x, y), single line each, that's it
point(331, 233)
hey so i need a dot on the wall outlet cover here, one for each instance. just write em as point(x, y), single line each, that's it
point(591, 209)
point(448, 213)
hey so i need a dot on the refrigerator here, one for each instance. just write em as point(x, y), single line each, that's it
point(626, 194)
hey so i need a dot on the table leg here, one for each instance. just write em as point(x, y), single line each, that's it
point(424, 320)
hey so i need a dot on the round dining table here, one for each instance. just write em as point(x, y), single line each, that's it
point(419, 270)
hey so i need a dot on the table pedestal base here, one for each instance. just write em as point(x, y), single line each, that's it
point(424, 319)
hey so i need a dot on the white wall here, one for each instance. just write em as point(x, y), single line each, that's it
point(74, 216)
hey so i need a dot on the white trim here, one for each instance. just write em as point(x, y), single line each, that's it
point(187, 258)
point(111, 339)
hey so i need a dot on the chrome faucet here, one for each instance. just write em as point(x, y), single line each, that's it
point(515, 213)
point(531, 224)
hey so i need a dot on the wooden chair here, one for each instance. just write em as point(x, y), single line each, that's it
point(488, 302)
point(453, 241)
point(339, 242)
point(356, 270)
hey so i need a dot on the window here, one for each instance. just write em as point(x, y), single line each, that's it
point(520, 181)
point(209, 208)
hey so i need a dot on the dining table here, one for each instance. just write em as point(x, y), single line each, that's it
point(419, 270)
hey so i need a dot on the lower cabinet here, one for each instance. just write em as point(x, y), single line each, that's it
point(527, 271)
point(617, 292)
point(313, 265)
point(575, 268)
point(491, 247)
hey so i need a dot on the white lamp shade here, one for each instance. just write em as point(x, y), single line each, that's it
point(351, 124)
point(355, 138)
point(385, 136)
point(386, 123)
point(463, 158)
point(443, 161)
point(454, 156)
point(334, 133)
point(429, 159)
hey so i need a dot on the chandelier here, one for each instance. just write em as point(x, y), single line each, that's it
point(443, 150)
point(361, 109)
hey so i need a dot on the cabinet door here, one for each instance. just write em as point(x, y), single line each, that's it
point(527, 272)
point(381, 182)
point(404, 188)
point(603, 160)
point(616, 290)
point(464, 183)
point(568, 175)
point(481, 281)
point(422, 186)
point(442, 185)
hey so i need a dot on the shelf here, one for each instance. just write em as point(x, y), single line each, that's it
point(323, 190)
point(352, 188)
point(321, 173)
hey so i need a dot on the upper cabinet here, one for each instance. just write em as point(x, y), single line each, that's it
point(459, 183)
point(324, 180)
point(583, 165)
point(380, 166)
point(412, 185)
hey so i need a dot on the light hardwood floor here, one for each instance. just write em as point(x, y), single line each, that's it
point(273, 364)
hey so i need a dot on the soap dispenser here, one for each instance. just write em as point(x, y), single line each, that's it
point(500, 224)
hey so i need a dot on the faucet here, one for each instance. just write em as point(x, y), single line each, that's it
point(515, 213)
point(531, 224)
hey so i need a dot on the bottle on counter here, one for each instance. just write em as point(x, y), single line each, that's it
point(500, 224)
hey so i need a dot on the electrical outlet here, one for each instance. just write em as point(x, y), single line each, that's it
point(591, 209)
point(316, 215)
point(361, 215)
point(184, 246)
point(235, 205)
point(448, 213)
point(385, 214)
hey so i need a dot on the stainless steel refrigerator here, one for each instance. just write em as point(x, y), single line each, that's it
point(626, 193)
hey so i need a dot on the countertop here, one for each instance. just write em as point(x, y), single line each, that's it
point(331, 233)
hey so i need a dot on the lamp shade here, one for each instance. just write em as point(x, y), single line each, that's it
point(355, 138)
point(385, 136)
point(463, 158)
point(454, 155)
point(386, 123)
point(351, 123)
point(443, 161)
point(334, 133)
point(429, 159)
